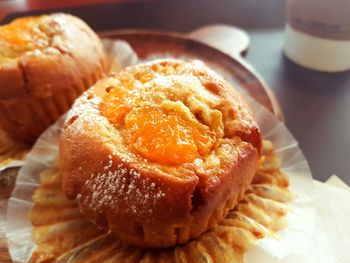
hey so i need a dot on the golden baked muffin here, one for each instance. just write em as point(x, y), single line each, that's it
point(46, 62)
point(159, 152)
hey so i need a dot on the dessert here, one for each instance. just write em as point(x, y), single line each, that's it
point(46, 62)
point(261, 213)
point(159, 152)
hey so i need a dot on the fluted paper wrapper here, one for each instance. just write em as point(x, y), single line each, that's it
point(42, 224)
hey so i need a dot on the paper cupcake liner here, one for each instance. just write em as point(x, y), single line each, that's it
point(57, 230)
point(27, 117)
point(62, 232)
point(12, 155)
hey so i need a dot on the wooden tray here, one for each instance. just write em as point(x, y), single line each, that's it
point(221, 47)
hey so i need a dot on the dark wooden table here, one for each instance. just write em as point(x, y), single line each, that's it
point(316, 105)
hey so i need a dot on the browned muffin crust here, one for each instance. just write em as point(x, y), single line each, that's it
point(45, 63)
point(148, 203)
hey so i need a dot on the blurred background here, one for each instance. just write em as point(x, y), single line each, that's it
point(179, 15)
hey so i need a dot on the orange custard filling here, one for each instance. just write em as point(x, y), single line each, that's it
point(23, 33)
point(115, 105)
point(165, 137)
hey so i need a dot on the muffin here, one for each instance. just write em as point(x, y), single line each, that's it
point(46, 62)
point(159, 152)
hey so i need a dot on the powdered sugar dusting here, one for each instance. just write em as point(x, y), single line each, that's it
point(109, 164)
point(124, 188)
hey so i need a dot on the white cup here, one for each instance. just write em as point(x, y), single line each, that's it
point(317, 34)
